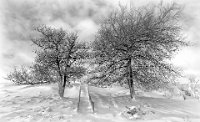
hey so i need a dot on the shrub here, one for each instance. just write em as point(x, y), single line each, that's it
point(20, 76)
point(32, 75)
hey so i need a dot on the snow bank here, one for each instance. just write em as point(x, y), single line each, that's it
point(72, 92)
point(36, 91)
point(39, 103)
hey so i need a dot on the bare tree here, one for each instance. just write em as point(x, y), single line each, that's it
point(60, 52)
point(137, 44)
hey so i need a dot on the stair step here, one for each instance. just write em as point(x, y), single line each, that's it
point(84, 105)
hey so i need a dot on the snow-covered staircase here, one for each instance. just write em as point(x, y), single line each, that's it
point(84, 105)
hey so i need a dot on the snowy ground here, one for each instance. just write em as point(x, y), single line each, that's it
point(34, 104)
point(42, 104)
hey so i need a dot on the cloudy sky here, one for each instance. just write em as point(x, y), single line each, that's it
point(18, 17)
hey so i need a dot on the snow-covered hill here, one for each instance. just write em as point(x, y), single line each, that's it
point(41, 103)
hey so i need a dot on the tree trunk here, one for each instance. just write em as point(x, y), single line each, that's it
point(130, 80)
point(64, 81)
point(60, 89)
point(61, 86)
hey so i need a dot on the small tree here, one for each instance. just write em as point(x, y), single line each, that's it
point(36, 74)
point(136, 45)
point(60, 52)
point(20, 76)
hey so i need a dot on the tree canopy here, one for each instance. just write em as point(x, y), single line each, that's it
point(137, 44)
point(60, 52)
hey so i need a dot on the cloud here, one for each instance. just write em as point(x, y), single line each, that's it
point(86, 29)
point(21, 15)
point(18, 17)
point(9, 55)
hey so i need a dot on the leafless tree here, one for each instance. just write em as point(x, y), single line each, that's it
point(60, 52)
point(137, 44)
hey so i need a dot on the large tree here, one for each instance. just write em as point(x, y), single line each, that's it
point(134, 46)
point(61, 52)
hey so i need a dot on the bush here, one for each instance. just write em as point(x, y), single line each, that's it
point(33, 75)
point(20, 76)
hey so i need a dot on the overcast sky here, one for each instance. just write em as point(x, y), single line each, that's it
point(18, 17)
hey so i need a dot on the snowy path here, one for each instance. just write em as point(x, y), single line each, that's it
point(84, 104)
